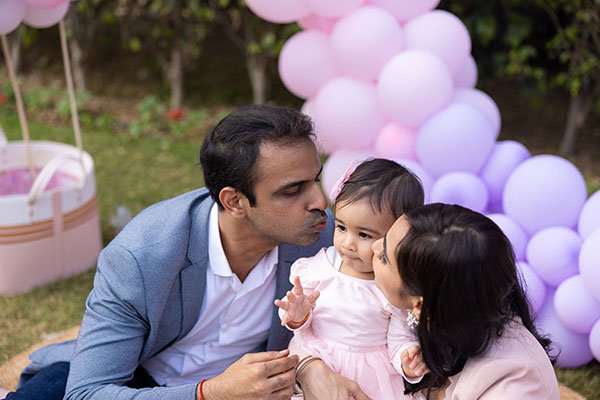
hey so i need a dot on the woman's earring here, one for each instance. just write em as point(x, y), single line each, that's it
point(412, 321)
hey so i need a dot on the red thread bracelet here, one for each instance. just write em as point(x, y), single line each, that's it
point(200, 394)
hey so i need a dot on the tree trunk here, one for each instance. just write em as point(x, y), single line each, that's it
point(175, 77)
point(14, 40)
point(257, 72)
point(579, 108)
point(77, 65)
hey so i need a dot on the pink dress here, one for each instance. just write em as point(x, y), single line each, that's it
point(348, 329)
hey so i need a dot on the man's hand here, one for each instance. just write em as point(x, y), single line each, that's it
point(297, 305)
point(413, 364)
point(268, 375)
point(319, 382)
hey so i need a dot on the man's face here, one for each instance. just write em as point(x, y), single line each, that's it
point(289, 203)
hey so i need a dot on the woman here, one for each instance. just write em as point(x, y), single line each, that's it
point(455, 270)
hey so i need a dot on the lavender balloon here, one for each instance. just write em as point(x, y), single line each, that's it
point(533, 286)
point(424, 176)
point(395, 141)
point(460, 188)
point(575, 306)
point(466, 77)
point(589, 263)
point(595, 340)
point(406, 9)
point(333, 8)
point(589, 219)
point(45, 17)
point(505, 157)
point(278, 11)
point(363, 41)
point(513, 232)
point(336, 164)
point(483, 102)
point(12, 12)
point(544, 191)
point(458, 138)
point(574, 347)
point(554, 253)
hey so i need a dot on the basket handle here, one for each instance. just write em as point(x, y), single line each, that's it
point(43, 179)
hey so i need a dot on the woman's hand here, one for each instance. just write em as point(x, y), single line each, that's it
point(297, 305)
point(413, 364)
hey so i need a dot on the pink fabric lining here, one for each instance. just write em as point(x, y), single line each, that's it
point(19, 181)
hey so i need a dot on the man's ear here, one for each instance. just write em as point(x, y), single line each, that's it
point(233, 202)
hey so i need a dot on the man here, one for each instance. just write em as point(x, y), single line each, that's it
point(182, 304)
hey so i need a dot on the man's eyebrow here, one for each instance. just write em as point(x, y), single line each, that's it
point(385, 257)
point(292, 184)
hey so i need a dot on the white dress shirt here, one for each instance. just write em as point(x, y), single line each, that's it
point(234, 320)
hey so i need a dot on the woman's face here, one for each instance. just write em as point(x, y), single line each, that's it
point(385, 267)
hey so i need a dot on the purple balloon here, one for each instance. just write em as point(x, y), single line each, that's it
point(554, 254)
point(589, 263)
point(278, 11)
point(43, 3)
point(483, 102)
point(503, 160)
point(458, 138)
point(467, 75)
point(306, 64)
point(544, 191)
point(422, 174)
point(45, 17)
point(575, 306)
point(595, 340)
point(363, 41)
point(441, 33)
point(333, 8)
point(12, 12)
point(574, 347)
point(405, 10)
point(413, 86)
point(533, 286)
point(460, 188)
point(347, 114)
point(513, 232)
point(589, 219)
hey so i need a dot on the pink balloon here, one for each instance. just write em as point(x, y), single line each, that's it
point(513, 232)
point(413, 86)
point(316, 22)
point(424, 176)
point(575, 306)
point(45, 17)
point(333, 8)
point(466, 77)
point(442, 34)
point(589, 263)
point(544, 191)
point(305, 63)
point(364, 40)
point(278, 11)
point(533, 286)
point(43, 3)
point(460, 188)
point(505, 157)
point(483, 102)
point(404, 10)
point(12, 12)
point(458, 138)
point(395, 141)
point(554, 254)
point(337, 163)
point(574, 347)
point(347, 114)
point(589, 219)
point(595, 340)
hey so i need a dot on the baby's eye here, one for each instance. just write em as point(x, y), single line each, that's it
point(363, 235)
point(340, 228)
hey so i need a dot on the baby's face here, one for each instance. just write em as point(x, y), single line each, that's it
point(357, 226)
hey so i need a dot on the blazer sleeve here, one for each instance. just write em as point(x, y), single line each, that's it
point(112, 335)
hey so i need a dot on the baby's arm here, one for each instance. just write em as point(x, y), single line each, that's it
point(405, 352)
point(296, 305)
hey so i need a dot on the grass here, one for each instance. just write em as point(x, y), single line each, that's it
point(134, 172)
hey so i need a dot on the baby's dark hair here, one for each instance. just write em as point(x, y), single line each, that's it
point(386, 185)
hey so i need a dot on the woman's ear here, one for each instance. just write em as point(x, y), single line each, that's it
point(233, 202)
point(417, 305)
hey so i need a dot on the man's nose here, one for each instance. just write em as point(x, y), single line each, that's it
point(317, 199)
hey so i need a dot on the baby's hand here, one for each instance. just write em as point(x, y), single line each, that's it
point(297, 306)
point(413, 364)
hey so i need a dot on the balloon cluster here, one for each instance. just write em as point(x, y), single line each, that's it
point(395, 79)
point(35, 13)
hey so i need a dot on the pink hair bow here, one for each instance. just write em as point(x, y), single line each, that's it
point(339, 185)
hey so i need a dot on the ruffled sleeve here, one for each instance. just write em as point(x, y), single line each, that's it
point(400, 337)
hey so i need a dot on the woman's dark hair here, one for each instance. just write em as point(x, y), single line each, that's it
point(230, 152)
point(386, 185)
point(464, 267)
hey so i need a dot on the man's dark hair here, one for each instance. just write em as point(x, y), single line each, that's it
point(230, 152)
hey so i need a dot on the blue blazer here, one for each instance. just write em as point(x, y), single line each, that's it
point(148, 293)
